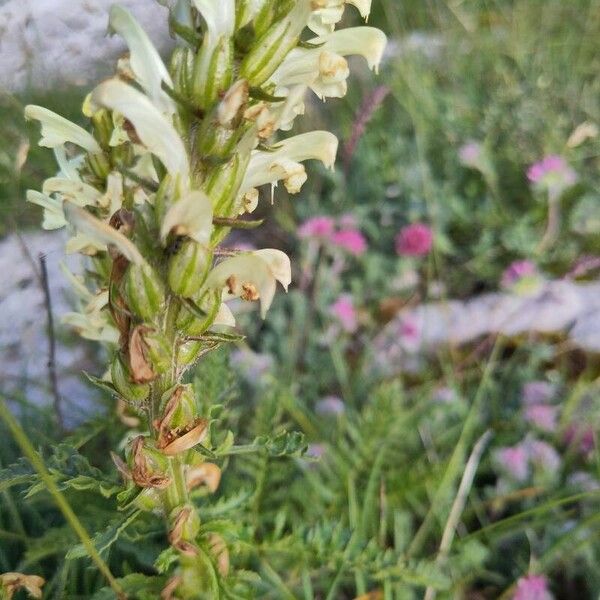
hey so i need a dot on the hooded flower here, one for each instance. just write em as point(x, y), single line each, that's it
point(284, 162)
point(57, 131)
point(154, 130)
point(324, 68)
point(144, 61)
point(252, 276)
point(327, 13)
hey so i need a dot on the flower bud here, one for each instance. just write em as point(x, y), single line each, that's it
point(213, 72)
point(182, 70)
point(188, 352)
point(164, 197)
point(188, 268)
point(223, 184)
point(272, 47)
point(143, 291)
point(103, 126)
point(214, 140)
point(191, 324)
point(99, 165)
point(121, 379)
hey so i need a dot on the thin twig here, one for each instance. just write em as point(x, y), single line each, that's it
point(373, 101)
point(51, 343)
point(458, 506)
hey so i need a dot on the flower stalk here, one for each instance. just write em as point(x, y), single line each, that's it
point(172, 161)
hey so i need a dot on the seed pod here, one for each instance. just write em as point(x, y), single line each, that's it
point(121, 379)
point(143, 291)
point(188, 268)
point(178, 408)
point(149, 354)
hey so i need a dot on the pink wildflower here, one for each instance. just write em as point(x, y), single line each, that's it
point(331, 405)
point(317, 227)
point(414, 240)
point(348, 221)
point(343, 310)
point(543, 455)
point(553, 173)
point(537, 392)
point(581, 437)
point(316, 450)
point(532, 587)
point(351, 240)
point(518, 273)
point(470, 153)
point(515, 461)
point(542, 416)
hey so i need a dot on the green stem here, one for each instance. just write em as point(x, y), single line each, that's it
point(29, 451)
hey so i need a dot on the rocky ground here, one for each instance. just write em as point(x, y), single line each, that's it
point(24, 349)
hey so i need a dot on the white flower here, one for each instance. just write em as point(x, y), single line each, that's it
point(219, 16)
point(101, 233)
point(57, 130)
point(324, 68)
point(68, 168)
point(191, 216)
point(78, 192)
point(328, 13)
point(155, 131)
point(92, 321)
point(283, 163)
point(54, 217)
point(248, 10)
point(144, 60)
point(251, 276)
point(224, 316)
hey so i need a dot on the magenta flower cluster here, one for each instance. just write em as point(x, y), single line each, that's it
point(343, 310)
point(552, 173)
point(343, 234)
point(414, 240)
point(532, 587)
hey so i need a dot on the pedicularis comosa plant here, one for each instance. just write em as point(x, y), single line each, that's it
point(172, 161)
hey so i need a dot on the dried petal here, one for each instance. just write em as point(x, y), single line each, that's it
point(207, 474)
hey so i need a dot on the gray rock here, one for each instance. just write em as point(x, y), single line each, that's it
point(560, 306)
point(44, 43)
point(23, 327)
